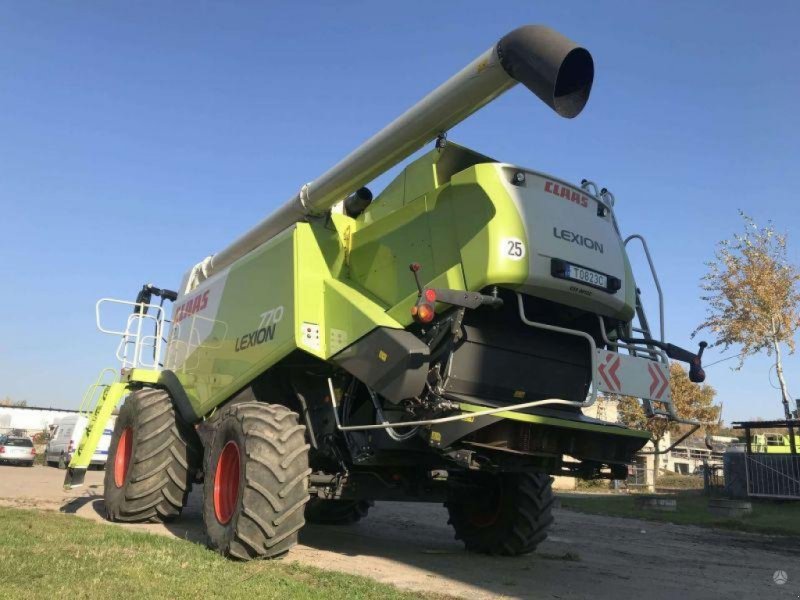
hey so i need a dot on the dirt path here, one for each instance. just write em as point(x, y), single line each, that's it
point(411, 546)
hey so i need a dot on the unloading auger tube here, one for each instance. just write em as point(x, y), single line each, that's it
point(553, 67)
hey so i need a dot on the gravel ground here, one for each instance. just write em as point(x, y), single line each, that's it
point(411, 546)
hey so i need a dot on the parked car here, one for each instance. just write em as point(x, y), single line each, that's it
point(67, 435)
point(17, 449)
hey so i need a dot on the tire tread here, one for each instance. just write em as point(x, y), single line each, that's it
point(527, 518)
point(275, 488)
point(162, 465)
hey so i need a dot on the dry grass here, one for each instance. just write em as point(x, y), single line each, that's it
point(780, 518)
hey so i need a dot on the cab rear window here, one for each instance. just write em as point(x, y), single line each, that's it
point(21, 442)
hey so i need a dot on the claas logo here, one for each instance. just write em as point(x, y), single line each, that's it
point(191, 307)
point(566, 193)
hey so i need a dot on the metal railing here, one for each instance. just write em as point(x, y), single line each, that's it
point(713, 479)
point(637, 475)
point(773, 475)
point(142, 339)
point(95, 391)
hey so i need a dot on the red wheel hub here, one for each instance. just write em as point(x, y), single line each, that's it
point(226, 483)
point(122, 457)
point(485, 514)
point(484, 518)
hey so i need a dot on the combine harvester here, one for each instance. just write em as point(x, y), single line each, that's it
point(435, 344)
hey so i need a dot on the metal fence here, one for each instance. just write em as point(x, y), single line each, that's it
point(713, 479)
point(637, 474)
point(773, 475)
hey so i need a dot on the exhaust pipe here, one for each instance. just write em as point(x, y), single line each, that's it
point(554, 68)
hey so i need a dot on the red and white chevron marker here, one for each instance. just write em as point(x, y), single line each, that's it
point(632, 376)
point(608, 371)
point(659, 383)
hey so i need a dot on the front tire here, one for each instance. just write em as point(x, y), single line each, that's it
point(152, 460)
point(510, 518)
point(256, 481)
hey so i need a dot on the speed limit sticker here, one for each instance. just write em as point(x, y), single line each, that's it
point(512, 248)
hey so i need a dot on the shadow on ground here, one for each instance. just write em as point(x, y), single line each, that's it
point(585, 556)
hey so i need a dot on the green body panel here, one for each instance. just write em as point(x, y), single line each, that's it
point(489, 216)
point(218, 364)
point(452, 230)
point(773, 444)
point(335, 278)
point(292, 280)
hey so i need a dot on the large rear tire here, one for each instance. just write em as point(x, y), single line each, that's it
point(256, 481)
point(510, 518)
point(152, 460)
point(336, 512)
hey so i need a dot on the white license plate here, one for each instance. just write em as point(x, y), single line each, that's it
point(587, 276)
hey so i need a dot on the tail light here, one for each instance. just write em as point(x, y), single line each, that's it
point(2, 449)
point(423, 312)
point(33, 451)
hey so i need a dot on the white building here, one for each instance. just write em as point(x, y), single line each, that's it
point(30, 419)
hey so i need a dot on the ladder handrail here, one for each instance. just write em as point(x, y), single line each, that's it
point(637, 236)
point(133, 333)
point(87, 402)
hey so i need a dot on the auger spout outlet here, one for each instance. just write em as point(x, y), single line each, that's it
point(553, 67)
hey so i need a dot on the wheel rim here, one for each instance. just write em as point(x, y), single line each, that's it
point(226, 483)
point(122, 457)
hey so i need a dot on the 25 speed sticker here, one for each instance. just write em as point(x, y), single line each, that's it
point(512, 248)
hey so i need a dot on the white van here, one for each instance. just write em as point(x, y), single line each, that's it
point(66, 437)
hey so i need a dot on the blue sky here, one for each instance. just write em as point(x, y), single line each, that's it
point(139, 137)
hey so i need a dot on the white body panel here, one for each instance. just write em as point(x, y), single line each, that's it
point(565, 223)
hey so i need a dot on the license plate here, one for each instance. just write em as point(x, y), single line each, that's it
point(587, 276)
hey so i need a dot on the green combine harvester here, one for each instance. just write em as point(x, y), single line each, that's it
point(773, 443)
point(435, 343)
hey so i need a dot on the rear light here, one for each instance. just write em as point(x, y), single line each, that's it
point(33, 451)
point(430, 295)
point(2, 449)
point(423, 312)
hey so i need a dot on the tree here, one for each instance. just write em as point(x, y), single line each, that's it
point(691, 401)
point(7, 401)
point(752, 297)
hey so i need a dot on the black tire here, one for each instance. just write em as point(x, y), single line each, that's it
point(336, 512)
point(162, 458)
point(511, 518)
point(256, 481)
